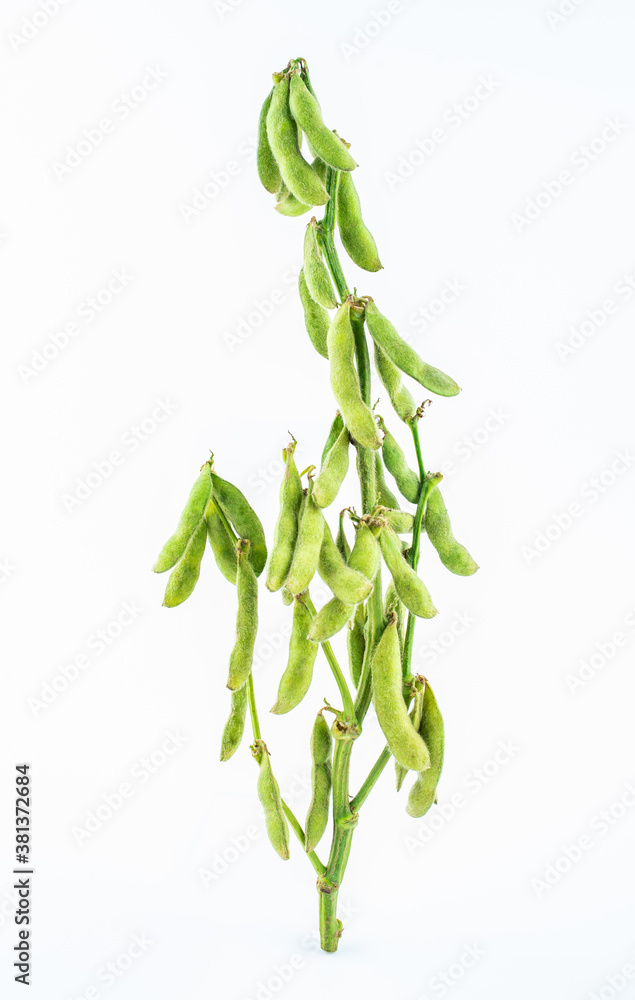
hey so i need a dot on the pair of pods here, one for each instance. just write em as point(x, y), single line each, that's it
point(362, 565)
point(271, 801)
point(321, 777)
point(290, 109)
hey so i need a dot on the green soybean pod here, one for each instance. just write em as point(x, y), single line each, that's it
point(242, 655)
point(325, 144)
point(189, 522)
point(453, 555)
point(244, 519)
point(395, 461)
point(333, 471)
point(409, 586)
point(268, 170)
point(287, 204)
point(390, 376)
point(334, 432)
point(356, 237)
point(306, 553)
point(330, 620)
point(341, 540)
point(286, 529)
point(235, 725)
point(415, 716)
point(384, 496)
point(318, 813)
point(346, 583)
point(296, 679)
point(287, 597)
point(316, 318)
point(282, 132)
point(405, 743)
point(394, 605)
point(223, 545)
point(271, 802)
point(402, 354)
point(345, 380)
point(316, 273)
point(356, 643)
point(423, 792)
point(365, 554)
point(185, 574)
point(400, 521)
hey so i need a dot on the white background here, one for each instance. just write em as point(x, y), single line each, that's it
point(188, 328)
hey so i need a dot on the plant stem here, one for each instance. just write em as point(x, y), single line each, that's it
point(325, 235)
point(347, 699)
point(369, 784)
point(299, 832)
point(253, 711)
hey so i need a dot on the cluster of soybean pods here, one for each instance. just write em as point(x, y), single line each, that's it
point(379, 626)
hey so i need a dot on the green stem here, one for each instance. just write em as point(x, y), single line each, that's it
point(369, 784)
point(253, 711)
point(325, 235)
point(347, 699)
point(299, 832)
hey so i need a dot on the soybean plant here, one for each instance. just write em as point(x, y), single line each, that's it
point(378, 624)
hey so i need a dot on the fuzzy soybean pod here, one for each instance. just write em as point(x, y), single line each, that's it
point(395, 461)
point(316, 273)
point(365, 554)
point(453, 555)
point(345, 380)
point(334, 432)
point(341, 540)
point(415, 716)
point(192, 517)
point(235, 725)
point(316, 318)
point(384, 495)
point(306, 553)
point(287, 204)
point(400, 521)
point(296, 679)
point(223, 545)
point(271, 802)
point(405, 743)
point(244, 519)
point(411, 589)
point(423, 792)
point(356, 643)
point(404, 357)
point(347, 584)
point(185, 574)
point(330, 620)
point(394, 605)
point(325, 144)
point(286, 529)
point(355, 235)
point(390, 376)
point(242, 655)
point(268, 169)
point(282, 132)
point(334, 469)
point(318, 813)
